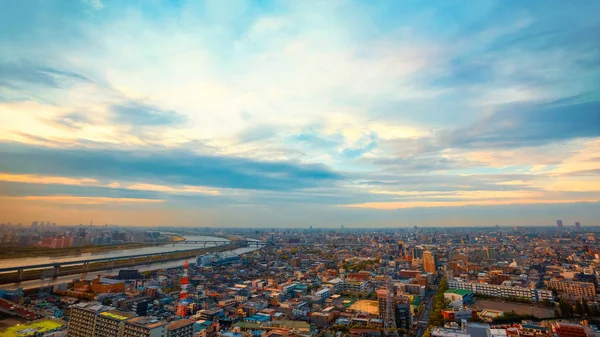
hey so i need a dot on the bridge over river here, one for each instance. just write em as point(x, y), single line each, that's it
point(18, 271)
point(241, 243)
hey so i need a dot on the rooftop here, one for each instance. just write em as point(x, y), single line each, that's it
point(147, 322)
point(117, 315)
point(460, 292)
point(179, 324)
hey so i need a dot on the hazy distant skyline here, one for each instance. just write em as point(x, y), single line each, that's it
point(300, 113)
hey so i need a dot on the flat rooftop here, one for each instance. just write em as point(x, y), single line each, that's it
point(117, 315)
point(147, 322)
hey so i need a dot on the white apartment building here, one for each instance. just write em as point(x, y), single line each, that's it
point(503, 291)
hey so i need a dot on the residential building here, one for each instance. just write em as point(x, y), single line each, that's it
point(111, 323)
point(323, 294)
point(401, 307)
point(82, 321)
point(459, 314)
point(503, 291)
point(429, 262)
point(573, 289)
point(145, 326)
point(459, 297)
point(181, 328)
point(568, 330)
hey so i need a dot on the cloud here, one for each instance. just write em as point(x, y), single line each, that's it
point(67, 199)
point(94, 4)
point(593, 172)
point(24, 75)
point(164, 166)
point(257, 133)
point(364, 145)
point(18, 76)
point(121, 185)
point(136, 114)
point(73, 121)
point(521, 125)
point(394, 205)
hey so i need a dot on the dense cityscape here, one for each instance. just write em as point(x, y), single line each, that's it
point(455, 282)
point(299, 168)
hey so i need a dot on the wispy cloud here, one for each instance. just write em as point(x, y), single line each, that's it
point(165, 166)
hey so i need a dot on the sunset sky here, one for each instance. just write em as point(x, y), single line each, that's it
point(300, 113)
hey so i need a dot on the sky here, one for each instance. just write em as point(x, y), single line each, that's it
point(318, 113)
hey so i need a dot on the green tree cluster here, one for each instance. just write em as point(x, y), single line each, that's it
point(582, 308)
point(435, 318)
point(512, 317)
point(358, 266)
point(566, 309)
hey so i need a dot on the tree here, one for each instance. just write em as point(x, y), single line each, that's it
point(579, 308)
point(586, 308)
point(566, 309)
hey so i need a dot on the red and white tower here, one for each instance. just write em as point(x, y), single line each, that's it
point(182, 309)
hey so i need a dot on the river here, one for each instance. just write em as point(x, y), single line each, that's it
point(168, 248)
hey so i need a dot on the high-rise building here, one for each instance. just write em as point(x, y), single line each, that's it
point(577, 226)
point(490, 253)
point(140, 307)
point(82, 322)
point(429, 262)
point(417, 252)
point(400, 306)
point(111, 323)
point(559, 225)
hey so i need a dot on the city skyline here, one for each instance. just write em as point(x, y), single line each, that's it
point(297, 114)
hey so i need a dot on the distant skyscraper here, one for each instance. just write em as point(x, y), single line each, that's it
point(417, 253)
point(429, 262)
point(490, 253)
point(559, 225)
point(577, 226)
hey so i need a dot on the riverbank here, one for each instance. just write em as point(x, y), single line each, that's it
point(7, 278)
point(19, 252)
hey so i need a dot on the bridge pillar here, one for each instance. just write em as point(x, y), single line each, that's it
point(56, 271)
point(20, 274)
